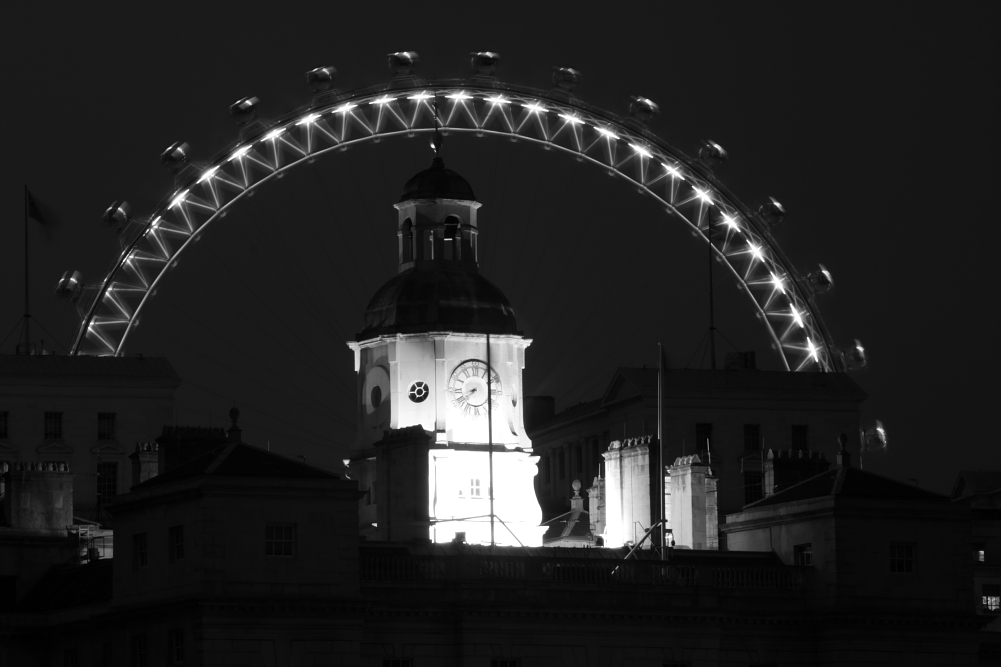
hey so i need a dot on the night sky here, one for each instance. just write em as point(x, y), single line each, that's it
point(875, 125)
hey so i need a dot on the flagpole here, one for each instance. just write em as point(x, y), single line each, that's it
point(661, 486)
point(490, 440)
point(27, 311)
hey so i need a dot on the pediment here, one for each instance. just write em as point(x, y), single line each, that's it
point(54, 448)
point(108, 449)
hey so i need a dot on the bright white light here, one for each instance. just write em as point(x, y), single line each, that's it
point(779, 284)
point(811, 347)
point(755, 251)
point(308, 120)
point(385, 99)
point(344, 108)
point(731, 223)
point(571, 119)
point(155, 223)
point(797, 317)
point(673, 171)
point(703, 195)
point(607, 133)
point(209, 173)
point(459, 96)
point(421, 96)
point(274, 134)
point(497, 99)
point(178, 199)
point(239, 152)
point(639, 149)
point(534, 106)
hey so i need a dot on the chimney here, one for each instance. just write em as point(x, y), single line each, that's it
point(38, 496)
point(690, 514)
point(576, 503)
point(596, 506)
point(844, 458)
point(785, 467)
point(145, 462)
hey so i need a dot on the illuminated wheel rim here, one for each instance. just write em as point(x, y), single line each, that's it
point(685, 187)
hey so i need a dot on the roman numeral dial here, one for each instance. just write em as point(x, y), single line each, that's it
point(467, 388)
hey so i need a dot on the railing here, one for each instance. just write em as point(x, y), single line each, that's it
point(573, 571)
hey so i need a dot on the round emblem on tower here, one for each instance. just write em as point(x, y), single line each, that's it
point(419, 391)
point(468, 388)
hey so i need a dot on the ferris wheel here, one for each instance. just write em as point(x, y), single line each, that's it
point(686, 188)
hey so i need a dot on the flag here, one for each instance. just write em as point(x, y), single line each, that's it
point(34, 212)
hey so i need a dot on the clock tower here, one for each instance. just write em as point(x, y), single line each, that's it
point(439, 366)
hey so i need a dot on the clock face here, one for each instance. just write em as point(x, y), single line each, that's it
point(467, 388)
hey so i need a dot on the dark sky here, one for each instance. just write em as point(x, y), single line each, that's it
point(874, 124)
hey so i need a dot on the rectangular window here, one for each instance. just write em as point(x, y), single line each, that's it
point(547, 469)
point(107, 482)
point(105, 425)
point(800, 438)
point(901, 558)
point(803, 554)
point(562, 461)
point(71, 658)
point(752, 437)
point(175, 540)
point(53, 426)
point(139, 651)
point(991, 596)
point(979, 552)
point(703, 437)
point(474, 488)
point(279, 539)
point(4, 433)
point(175, 647)
point(139, 554)
point(579, 455)
point(753, 488)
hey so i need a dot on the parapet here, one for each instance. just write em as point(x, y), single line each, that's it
point(690, 460)
point(38, 496)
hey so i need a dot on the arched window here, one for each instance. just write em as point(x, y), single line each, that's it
point(453, 239)
point(407, 242)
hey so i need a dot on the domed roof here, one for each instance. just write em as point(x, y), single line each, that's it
point(417, 301)
point(436, 182)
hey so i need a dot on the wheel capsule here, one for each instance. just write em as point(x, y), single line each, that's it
point(821, 280)
point(772, 211)
point(176, 155)
point(485, 62)
point(566, 78)
point(69, 286)
point(643, 109)
point(117, 216)
point(403, 63)
point(245, 110)
point(321, 79)
point(712, 153)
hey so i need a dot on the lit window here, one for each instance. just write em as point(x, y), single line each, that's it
point(175, 647)
point(139, 651)
point(800, 437)
point(105, 425)
point(53, 426)
point(752, 437)
point(901, 558)
point(474, 488)
point(753, 490)
point(3, 426)
point(175, 541)
point(991, 597)
point(139, 554)
point(979, 552)
point(803, 554)
point(107, 482)
point(279, 539)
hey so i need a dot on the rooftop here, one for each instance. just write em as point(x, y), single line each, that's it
point(15, 367)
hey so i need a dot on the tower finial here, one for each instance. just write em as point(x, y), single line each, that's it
point(437, 141)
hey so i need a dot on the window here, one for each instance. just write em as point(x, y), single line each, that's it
point(139, 651)
point(53, 426)
point(279, 539)
point(547, 469)
point(991, 596)
point(562, 461)
point(175, 647)
point(105, 425)
point(407, 242)
point(800, 437)
point(753, 488)
point(139, 554)
point(803, 554)
point(979, 552)
point(429, 246)
point(474, 488)
point(175, 540)
point(4, 433)
point(579, 455)
point(703, 437)
point(452, 237)
point(752, 437)
point(901, 558)
point(71, 658)
point(107, 482)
